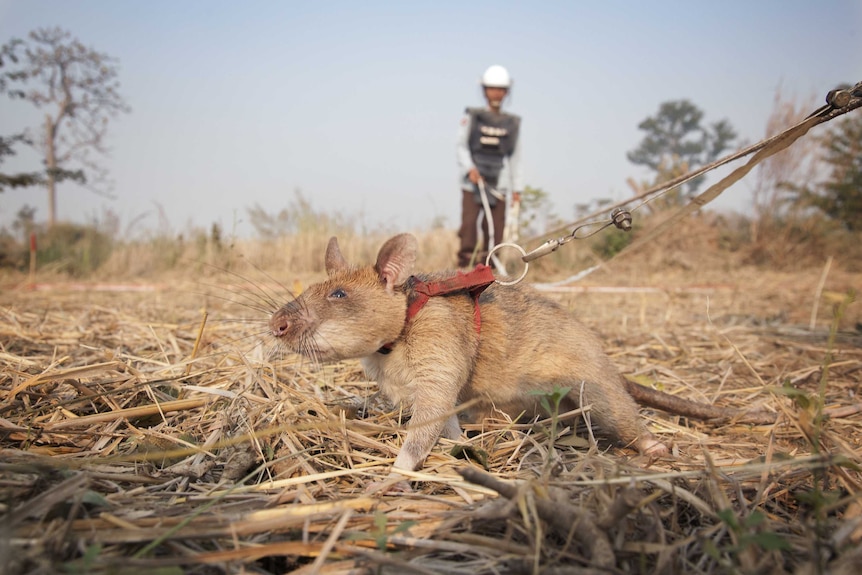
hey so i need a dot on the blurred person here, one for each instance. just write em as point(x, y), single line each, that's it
point(489, 158)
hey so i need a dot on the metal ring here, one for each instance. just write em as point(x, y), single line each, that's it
point(523, 253)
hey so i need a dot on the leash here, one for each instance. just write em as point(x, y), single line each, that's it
point(838, 102)
point(473, 282)
point(486, 206)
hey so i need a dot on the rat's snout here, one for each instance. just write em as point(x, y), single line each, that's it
point(279, 323)
point(284, 320)
point(292, 320)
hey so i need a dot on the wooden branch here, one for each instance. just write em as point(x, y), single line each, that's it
point(129, 413)
point(559, 515)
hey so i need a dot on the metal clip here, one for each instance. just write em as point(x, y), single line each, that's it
point(543, 250)
point(619, 217)
point(622, 219)
point(838, 98)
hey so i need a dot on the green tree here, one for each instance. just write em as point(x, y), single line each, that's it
point(839, 197)
point(677, 139)
point(78, 87)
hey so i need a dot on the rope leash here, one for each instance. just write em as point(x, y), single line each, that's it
point(838, 102)
point(486, 206)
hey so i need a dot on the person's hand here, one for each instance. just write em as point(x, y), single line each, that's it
point(473, 175)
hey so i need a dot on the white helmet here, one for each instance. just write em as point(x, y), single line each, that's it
point(496, 77)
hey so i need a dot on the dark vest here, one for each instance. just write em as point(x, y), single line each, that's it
point(492, 138)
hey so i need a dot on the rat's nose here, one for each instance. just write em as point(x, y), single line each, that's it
point(279, 324)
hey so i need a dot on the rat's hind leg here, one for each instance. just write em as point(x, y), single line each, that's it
point(614, 412)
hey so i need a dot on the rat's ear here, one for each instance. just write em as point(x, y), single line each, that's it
point(396, 259)
point(334, 260)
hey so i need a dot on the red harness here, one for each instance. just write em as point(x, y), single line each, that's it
point(474, 281)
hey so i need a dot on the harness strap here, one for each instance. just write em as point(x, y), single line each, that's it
point(474, 282)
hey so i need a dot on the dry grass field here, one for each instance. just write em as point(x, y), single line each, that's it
point(135, 437)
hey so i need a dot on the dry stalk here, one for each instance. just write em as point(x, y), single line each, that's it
point(99, 391)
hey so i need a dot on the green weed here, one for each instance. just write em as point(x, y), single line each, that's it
point(550, 401)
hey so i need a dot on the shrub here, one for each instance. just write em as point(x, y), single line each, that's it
point(75, 249)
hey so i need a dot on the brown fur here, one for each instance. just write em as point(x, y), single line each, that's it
point(439, 360)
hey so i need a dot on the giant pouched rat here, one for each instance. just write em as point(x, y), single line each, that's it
point(496, 351)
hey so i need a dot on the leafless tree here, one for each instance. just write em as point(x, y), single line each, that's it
point(798, 164)
point(79, 91)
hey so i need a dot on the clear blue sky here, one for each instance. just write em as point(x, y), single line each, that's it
point(357, 103)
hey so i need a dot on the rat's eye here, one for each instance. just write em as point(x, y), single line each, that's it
point(338, 294)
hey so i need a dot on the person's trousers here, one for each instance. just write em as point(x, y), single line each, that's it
point(470, 211)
